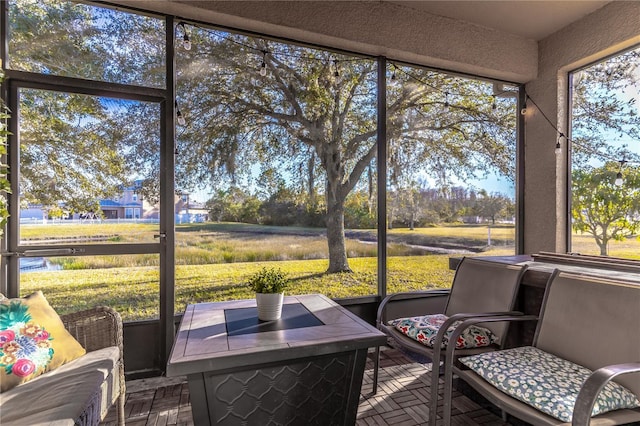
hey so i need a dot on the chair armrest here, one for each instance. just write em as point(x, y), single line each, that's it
point(479, 318)
point(95, 328)
point(591, 389)
point(437, 344)
point(448, 362)
point(486, 316)
point(381, 315)
point(469, 315)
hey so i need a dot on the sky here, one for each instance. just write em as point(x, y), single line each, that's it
point(615, 139)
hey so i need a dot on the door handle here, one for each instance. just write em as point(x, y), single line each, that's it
point(44, 252)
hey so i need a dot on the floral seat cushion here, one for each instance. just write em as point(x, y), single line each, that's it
point(544, 381)
point(424, 330)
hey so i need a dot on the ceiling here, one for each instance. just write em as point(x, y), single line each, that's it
point(530, 19)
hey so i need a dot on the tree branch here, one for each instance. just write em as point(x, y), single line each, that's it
point(357, 171)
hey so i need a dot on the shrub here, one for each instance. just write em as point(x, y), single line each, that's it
point(268, 280)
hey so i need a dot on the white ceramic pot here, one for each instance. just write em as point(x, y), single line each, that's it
point(269, 306)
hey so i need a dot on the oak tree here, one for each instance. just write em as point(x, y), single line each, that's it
point(603, 209)
point(310, 115)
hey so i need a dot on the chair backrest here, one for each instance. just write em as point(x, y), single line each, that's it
point(484, 286)
point(592, 322)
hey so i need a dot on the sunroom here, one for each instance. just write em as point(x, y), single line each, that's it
point(161, 153)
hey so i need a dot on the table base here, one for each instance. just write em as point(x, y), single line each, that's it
point(322, 390)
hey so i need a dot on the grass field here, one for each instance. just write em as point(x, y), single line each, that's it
point(201, 244)
point(214, 260)
point(99, 232)
point(629, 248)
point(134, 291)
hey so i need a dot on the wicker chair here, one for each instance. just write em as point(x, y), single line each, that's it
point(82, 391)
point(94, 329)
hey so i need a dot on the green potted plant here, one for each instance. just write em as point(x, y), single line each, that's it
point(269, 285)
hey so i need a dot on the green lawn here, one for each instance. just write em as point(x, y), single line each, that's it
point(214, 259)
point(585, 244)
point(134, 291)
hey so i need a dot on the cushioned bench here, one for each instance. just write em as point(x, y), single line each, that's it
point(425, 319)
point(80, 391)
point(587, 340)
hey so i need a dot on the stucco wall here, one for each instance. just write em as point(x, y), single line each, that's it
point(604, 32)
point(372, 28)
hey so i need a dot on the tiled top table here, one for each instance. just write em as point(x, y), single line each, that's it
point(305, 368)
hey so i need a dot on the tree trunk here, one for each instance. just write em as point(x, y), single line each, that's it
point(603, 247)
point(336, 195)
point(335, 237)
point(603, 241)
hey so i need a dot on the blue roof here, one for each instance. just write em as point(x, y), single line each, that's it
point(109, 203)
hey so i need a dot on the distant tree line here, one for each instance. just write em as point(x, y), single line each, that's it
point(410, 208)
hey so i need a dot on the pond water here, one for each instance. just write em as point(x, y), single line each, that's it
point(37, 264)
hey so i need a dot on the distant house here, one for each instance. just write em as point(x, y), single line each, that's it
point(187, 211)
point(33, 212)
point(130, 205)
point(471, 219)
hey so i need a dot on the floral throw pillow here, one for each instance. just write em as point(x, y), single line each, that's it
point(424, 330)
point(544, 381)
point(33, 340)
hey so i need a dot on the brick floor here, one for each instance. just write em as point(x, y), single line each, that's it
point(402, 398)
